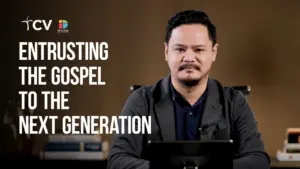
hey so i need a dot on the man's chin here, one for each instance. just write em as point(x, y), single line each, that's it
point(189, 82)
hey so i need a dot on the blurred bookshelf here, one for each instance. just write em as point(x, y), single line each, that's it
point(284, 164)
point(19, 159)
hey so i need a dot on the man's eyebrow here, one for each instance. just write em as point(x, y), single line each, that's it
point(199, 46)
point(178, 44)
point(194, 46)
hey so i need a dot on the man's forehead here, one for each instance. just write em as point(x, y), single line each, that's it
point(193, 41)
point(190, 34)
point(190, 29)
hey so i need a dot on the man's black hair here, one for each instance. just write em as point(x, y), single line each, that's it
point(191, 17)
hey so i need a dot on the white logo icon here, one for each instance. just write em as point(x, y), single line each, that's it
point(37, 24)
point(27, 22)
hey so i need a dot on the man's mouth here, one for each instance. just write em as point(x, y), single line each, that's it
point(188, 67)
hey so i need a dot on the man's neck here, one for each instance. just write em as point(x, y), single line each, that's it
point(191, 94)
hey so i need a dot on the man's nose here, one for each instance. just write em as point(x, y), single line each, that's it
point(189, 56)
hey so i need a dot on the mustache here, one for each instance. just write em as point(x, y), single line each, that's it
point(188, 65)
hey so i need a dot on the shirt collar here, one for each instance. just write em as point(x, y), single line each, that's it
point(175, 95)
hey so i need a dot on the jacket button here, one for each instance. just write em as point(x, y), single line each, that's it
point(201, 130)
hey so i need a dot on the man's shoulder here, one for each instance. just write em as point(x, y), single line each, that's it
point(149, 90)
point(229, 92)
point(231, 97)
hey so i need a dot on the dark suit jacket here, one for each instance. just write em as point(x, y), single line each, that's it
point(227, 115)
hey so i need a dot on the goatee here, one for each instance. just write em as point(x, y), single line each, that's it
point(190, 82)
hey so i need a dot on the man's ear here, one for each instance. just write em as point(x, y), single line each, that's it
point(215, 51)
point(166, 51)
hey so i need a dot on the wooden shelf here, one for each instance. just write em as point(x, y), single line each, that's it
point(284, 164)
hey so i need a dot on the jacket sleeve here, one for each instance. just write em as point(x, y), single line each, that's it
point(250, 152)
point(126, 148)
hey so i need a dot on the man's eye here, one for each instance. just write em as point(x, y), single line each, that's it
point(180, 49)
point(199, 50)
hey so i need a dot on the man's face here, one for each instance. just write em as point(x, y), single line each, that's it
point(190, 53)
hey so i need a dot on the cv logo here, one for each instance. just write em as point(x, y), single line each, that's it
point(37, 24)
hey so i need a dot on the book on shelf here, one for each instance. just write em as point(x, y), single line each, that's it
point(284, 156)
point(75, 142)
point(74, 138)
point(291, 146)
point(73, 146)
point(76, 147)
point(293, 135)
point(59, 155)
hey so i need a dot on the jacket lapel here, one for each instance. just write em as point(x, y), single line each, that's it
point(166, 117)
point(211, 112)
point(165, 112)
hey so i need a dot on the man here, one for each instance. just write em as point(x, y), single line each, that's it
point(188, 100)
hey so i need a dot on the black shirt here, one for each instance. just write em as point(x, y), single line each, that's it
point(187, 116)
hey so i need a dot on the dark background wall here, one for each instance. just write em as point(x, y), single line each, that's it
point(258, 46)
